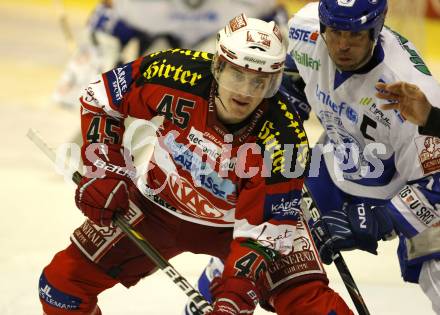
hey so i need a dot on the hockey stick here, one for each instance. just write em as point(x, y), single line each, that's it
point(60, 12)
point(199, 301)
point(344, 272)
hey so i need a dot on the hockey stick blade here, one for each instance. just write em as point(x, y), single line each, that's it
point(194, 295)
point(314, 213)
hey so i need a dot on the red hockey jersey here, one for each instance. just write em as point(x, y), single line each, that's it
point(250, 180)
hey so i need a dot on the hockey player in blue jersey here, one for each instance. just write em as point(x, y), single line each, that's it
point(372, 173)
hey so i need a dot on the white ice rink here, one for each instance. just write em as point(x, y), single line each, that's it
point(37, 206)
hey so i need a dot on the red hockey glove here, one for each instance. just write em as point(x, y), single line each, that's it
point(104, 188)
point(234, 295)
point(99, 198)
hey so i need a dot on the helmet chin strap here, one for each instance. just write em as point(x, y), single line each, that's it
point(217, 96)
point(367, 57)
point(221, 102)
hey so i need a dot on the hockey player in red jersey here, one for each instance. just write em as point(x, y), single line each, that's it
point(227, 180)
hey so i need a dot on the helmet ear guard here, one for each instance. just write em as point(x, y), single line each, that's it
point(353, 15)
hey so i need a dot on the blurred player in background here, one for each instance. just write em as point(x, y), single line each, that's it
point(151, 24)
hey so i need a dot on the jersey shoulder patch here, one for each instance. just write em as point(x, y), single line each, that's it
point(407, 53)
point(118, 81)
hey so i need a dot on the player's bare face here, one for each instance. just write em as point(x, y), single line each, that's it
point(348, 50)
point(240, 92)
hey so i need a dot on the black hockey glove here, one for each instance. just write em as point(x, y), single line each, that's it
point(355, 226)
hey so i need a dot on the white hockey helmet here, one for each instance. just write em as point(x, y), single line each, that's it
point(253, 45)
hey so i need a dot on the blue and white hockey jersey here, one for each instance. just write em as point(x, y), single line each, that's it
point(372, 153)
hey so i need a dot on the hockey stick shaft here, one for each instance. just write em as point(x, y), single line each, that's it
point(64, 23)
point(194, 295)
point(341, 266)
